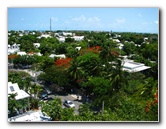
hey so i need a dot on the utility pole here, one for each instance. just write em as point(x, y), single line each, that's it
point(103, 107)
point(12, 63)
point(35, 76)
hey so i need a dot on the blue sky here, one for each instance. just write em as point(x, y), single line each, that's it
point(103, 19)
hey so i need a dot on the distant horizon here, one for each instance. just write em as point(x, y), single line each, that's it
point(88, 30)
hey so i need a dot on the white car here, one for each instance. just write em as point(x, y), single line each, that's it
point(69, 104)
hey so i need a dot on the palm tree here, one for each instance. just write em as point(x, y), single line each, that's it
point(117, 77)
point(35, 90)
point(12, 103)
point(75, 72)
point(106, 53)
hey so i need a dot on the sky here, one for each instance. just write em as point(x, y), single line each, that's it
point(99, 19)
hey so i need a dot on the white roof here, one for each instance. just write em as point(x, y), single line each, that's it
point(61, 39)
point(36, 44)
point(78, 38)
point(131, 66)
point(30, 116)
point(59, 56)
point(14, 88)
point(12, 51)
point(21, 53)
point(116, 40)
point(137, 69)
point(78, 48)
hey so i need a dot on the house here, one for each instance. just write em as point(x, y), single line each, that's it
point(21, 53)
point(78, 48)
point(13, 48)
point(13, 88)
point(120, 45)
point(57, 56)
point(31, 116)
point(116, 40)
point(67, 34)
point(78, 38)
point(37, 45)
point(145, 39)
point(61, 38)
point(44, 36)
point(131, 66)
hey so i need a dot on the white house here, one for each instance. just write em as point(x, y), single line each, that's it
point(14, 88)
point(61, 38)
point(44, 36)
point(37, 45)
point(116, 40)
point(58, 56)
point(145, 39)
point(67, 33)
point(120, 45)
point(31, 116)
point(78, 48)
point(21, 53)
point(78, 38)
point(13, 48)
point(131, 66)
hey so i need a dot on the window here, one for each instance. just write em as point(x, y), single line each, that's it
point(11, 88)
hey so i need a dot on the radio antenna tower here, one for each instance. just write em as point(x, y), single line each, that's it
point(50, 24)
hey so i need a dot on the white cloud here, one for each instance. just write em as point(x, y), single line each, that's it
point(121, 21)
point(82, 18)
point(54, 19)
point(85, 22)
point(78, 19)
point(93, 19)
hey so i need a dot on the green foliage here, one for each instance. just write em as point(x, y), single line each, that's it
point(55, 76)
point(46, 62)
point(12, 103)
point(53, 109)
point(97, 85)
point(69, 40)
point(89, 63)
point(22, 78)
point(61, 48)
point(129, 48)
point(150, 51)
point(67, 114)
point(24, 60)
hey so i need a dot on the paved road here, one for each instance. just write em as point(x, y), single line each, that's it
point(69, 97)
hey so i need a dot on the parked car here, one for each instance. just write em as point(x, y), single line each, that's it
point(69, 104)
point(43, 95)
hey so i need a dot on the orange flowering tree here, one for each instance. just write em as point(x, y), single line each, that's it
point(64, 62)
point(12, 56)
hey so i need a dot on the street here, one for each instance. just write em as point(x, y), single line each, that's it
point(71, 98)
